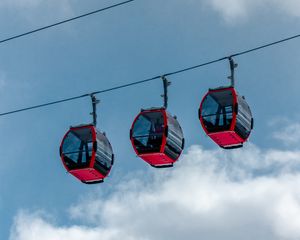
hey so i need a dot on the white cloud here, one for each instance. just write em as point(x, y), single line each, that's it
point(290, 134)
point(36, 227)
point(210, 194)
point(19, 3)
point(38, 9)
point(287, 131)
point(233, 10)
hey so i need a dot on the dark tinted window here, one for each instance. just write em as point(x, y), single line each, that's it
point(148, 131)
point(175, 138)
point(104, 154)
point(244, 118)
point(217, 109)
point(77, 148)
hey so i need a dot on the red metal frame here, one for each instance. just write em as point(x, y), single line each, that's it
point(88, 174)
point(158, 159)
point(228, 138)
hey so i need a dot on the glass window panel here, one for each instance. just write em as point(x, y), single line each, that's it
point(175, 138)
point(174, 126)
point(142, 127)
point(104, 151)
point(76, 150)
point(148, 131)
point(209, 106)
point(217, 111)
point(243, 121)
point(71, 143)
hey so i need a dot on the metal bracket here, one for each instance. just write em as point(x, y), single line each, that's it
point(233, 65)
point(165, 95)
point(95, 101)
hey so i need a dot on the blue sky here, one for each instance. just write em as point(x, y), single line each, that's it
point(251, 193)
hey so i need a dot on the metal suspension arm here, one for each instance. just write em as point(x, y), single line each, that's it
point(165, 95)
point(233, 65)
point(95, 101)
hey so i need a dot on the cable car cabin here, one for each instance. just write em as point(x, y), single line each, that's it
point(157, 137)
point(87, 154)
point(226, 117)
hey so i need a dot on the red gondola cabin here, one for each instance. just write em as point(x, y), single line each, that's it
point(226, 117)
point(157, 137)
point(87, 154)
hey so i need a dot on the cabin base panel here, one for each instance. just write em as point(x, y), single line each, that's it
point(88, 175)
point(158, 160)
point(227, 140)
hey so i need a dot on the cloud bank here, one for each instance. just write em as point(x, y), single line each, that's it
point(234, 10)
point(287, 131)
point(210, 194)
point(31, 10)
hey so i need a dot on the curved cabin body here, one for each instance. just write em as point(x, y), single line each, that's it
point(226, 117)
point(157, 137)
point(87, 154)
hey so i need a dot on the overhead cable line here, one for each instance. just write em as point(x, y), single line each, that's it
point(45, 104)
point(265, 46)
point(64, 21)
point(152, 78)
